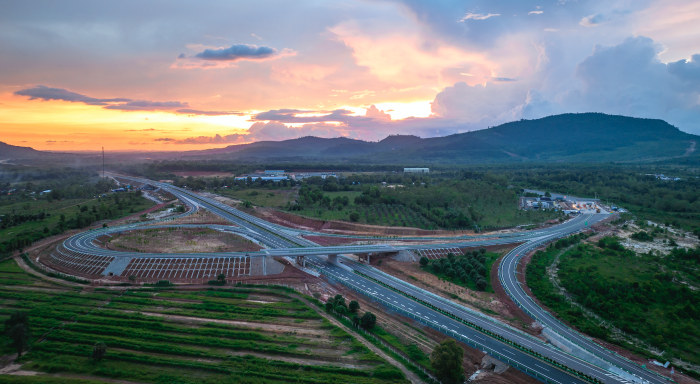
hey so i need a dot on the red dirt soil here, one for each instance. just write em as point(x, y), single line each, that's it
point(506, 300)
point(136, 215)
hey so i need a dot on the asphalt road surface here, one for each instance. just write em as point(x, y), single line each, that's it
point(282, 241)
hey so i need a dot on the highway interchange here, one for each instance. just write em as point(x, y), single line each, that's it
point(283, 241)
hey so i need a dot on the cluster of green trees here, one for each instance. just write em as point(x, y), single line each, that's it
point(111, 207)
point(453, 200)
point(12, 219)
point(446, 361)
point(122, 203)
point(42, 178)
point(468, 267)
point(18, 331)
point(337, 304)
point(312, 194)
point(231, 182)
point(642, 236)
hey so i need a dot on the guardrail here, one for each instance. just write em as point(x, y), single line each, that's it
point(521, 254)
point(475, 343)
point(469, 324)
point(448, 302)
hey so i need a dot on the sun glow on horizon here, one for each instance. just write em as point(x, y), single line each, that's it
point(402, 110)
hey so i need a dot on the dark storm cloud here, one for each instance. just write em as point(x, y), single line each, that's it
point(687, 71)
point(290, 116)
point(238, 52)
point(145, 105)
point(209, 113)
point(42, 92)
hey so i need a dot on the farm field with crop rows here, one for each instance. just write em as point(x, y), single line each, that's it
point(241, 334)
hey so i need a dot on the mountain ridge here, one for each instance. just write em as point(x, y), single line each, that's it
point(574, 137)
point(567, 137)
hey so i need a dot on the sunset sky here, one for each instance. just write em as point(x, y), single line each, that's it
point(183, 75)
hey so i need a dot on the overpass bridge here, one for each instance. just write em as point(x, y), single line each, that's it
point(423, 306)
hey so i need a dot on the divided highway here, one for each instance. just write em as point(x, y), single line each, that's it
point(398, 295)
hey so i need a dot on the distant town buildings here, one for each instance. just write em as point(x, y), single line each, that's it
point(661, 176)
point(416, 170)
point(263, 176)
point(279, 175)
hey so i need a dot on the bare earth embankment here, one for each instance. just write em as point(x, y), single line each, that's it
point(184, 240)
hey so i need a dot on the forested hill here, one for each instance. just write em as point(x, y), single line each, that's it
point(584, 137)
point(8, 151)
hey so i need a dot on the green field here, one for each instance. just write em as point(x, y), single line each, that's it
point(637, 293)
point(260, 197)
point(447, 204)
point(466, 270)
point(230, 335)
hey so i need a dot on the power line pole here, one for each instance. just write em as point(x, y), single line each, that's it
point(103, 162)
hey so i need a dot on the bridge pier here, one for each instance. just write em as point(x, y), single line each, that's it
point(364, 256)
point(332, 258)
point(301, 260)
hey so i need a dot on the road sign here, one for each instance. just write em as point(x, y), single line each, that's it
point(585, 223)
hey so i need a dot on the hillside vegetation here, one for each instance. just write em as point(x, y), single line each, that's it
point(652, 298)
point(38, 202)
point(590, 137)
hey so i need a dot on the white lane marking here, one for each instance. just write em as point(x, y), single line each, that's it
point(542, 367)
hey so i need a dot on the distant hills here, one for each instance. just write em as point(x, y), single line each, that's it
point(582, 137)
point(8, 151)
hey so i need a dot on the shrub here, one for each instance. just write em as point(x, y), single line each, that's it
point(446, 361)
point(388, 373)
point(641, 236)
point(368, 320)
point(99, 351)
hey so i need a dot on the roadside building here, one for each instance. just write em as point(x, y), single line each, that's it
point(323, 175)
point(262, 177)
